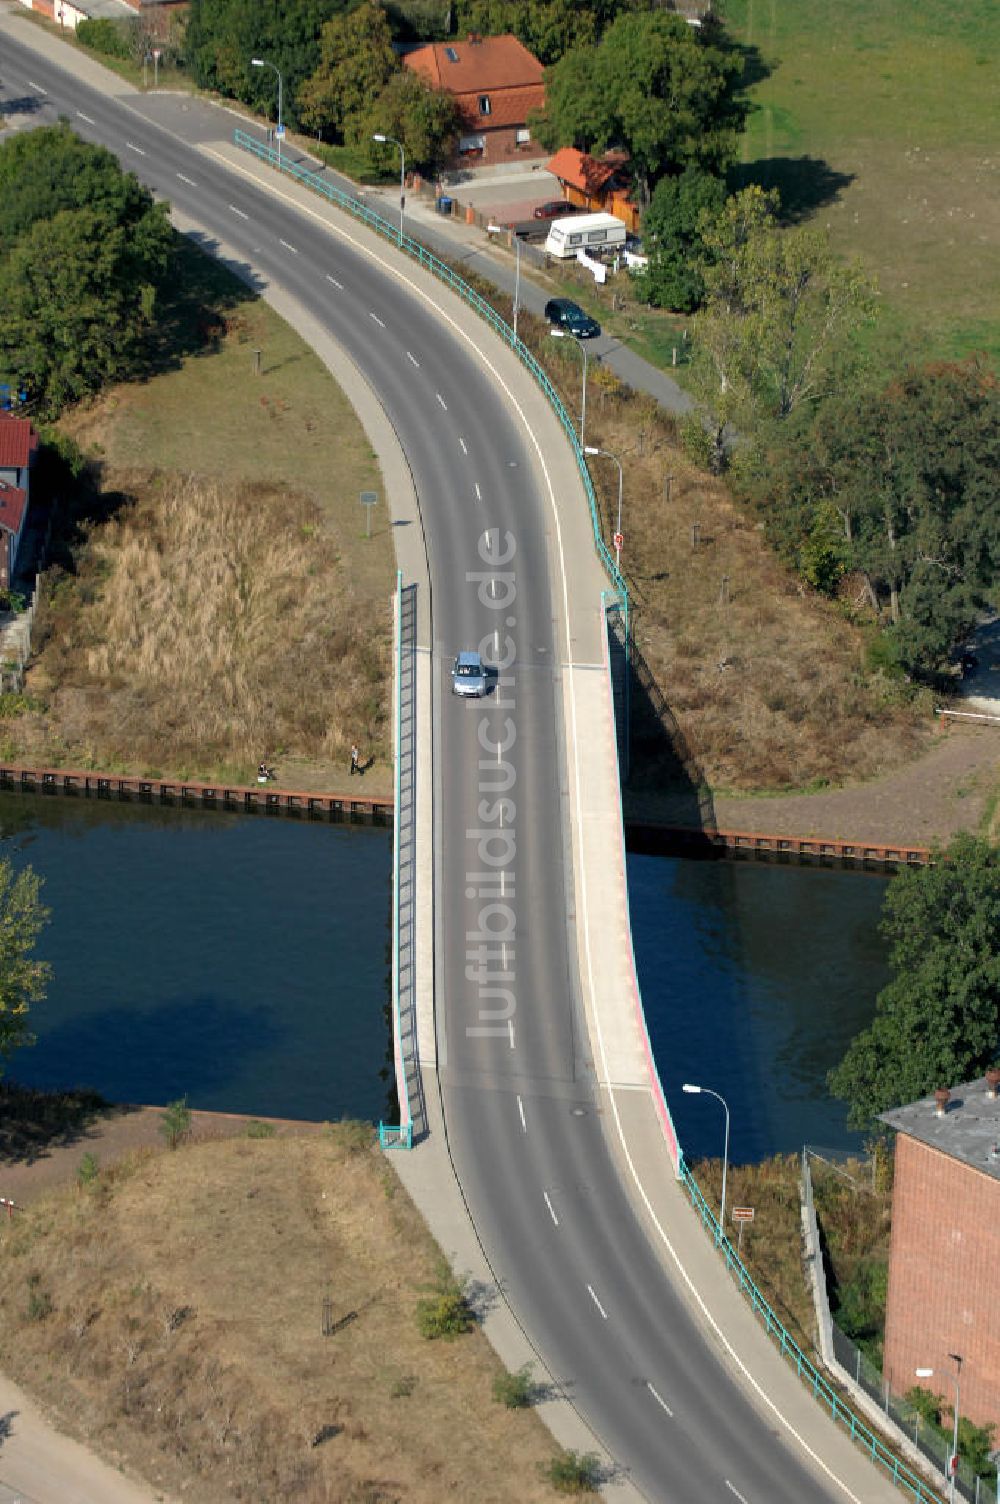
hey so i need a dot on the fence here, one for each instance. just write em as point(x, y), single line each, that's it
point(822, 1390)
point(404, 868)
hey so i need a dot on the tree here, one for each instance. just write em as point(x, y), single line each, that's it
point(175, 1122)
point(356, 61)
point(424, 119)
point(652, 86)
point(672, 237)
point(23, 979)
point(938, 1020)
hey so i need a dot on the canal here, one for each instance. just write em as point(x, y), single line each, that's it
point(243, 962)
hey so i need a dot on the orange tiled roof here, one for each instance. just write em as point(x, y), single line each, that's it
point(18, 441)
point(478, 67)
point(12, 503)
point(507, 107)
point(583, 172)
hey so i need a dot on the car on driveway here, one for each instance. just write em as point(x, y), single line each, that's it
point(468, 676)
point(554, 208)
point(563, 313)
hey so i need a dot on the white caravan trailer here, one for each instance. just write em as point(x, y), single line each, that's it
point(584, 232)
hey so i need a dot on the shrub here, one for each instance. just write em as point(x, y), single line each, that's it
point(175, 1122)
point(88, 1170)
point(514, 1390)
point(107, 37)
point(446, 1313)
point(572, 1473)
point(256, 1129)
point(39, 1300)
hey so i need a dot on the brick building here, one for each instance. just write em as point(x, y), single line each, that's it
point(944, 1260)
point(18, 448)
point(496, 82)
point(600, 185)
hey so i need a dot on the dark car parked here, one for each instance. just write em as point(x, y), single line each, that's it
point(565, 314)
point(555, 208)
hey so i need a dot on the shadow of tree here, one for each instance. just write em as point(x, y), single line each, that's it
point(805, 183)
point(196, 305)
point(7, 1425)
point(33, 1121)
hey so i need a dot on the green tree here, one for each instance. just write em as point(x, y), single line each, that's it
point(938, 1020)
point(175, 1122)
point(672, 227)
point(654, 86)
point(356, 61)
point(424, 119)
point(23, 979)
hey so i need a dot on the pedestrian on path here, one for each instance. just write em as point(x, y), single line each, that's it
point(355, 764)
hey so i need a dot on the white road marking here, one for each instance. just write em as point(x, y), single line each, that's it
point(510, 1031)
point(189, 181)
point(503, 954)
point(239, 212)
point(412, 359)
point(292, 248)
point(377, 320)
point(37, 87)
point(340, 285)
point(82, 116)
point(735, 1491)
point(462, 442)
point(502, 883)
point(552, 1213)
point(659, 1400)
point(520, 1108)
point(597, 1303)
point(479, 494)
point(137, 149)
point(441, 400)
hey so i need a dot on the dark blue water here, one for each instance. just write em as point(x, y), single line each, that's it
point(239, 961)
point(754, 980)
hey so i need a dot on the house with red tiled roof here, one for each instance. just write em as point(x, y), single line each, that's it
point(496, 82)
point(601, 185)
point(18, 447)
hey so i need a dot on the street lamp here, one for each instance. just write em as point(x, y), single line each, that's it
point(589, 449)
point(381, 136)
point(928, 1373)
point(561, 334)
point(725, 1154)
point(499, 230)
point(260, 62)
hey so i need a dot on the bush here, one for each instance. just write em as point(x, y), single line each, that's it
point(175, 1122)
point(572, 1473)
point(447, 1313)
point(39, 1301)
point(88, 1170)
point(514, 1390)
point(256, 1129)
point(107, 37)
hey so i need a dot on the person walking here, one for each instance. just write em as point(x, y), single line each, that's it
point(355, 764)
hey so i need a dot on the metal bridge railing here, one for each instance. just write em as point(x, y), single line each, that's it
point(391, 1137)
point(822, 1390)
point(440, 269)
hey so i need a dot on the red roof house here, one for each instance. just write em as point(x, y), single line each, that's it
point(18, 447)
point(601, 185)
point(496, 82)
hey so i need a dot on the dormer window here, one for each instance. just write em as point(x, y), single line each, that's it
point(484, 104)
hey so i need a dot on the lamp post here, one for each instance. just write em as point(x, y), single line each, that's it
point(589, 449)
point(725, 1153)
point(382, 137)
point(499, 230)
point(561, 334)
point(260, 62)
point(928, 1373)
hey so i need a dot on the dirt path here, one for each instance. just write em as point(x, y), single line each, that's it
point(946, 790)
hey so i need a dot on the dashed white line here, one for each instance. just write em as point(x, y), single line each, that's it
point(81, 116)
point(659, 1400)
point(336, 284)
point(292, 248)
point(520, 1108)
point(239, 212)
point(190, 183)
point(412, 359)
point(479, 494)
point(510, 1031)
point(597, 1303)
point(441, 400)
point(552, 1212)
point(37, 87)
point(137, 149)
point(735, 1491)
point(377, 320)
point(462, 442)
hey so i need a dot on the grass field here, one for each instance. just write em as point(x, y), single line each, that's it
point(879, 118)
point(218, 602)
point(172, 1314)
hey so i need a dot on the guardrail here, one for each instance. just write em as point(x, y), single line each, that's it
point(440, 269)
point(806, 1370)
point(391, 1137)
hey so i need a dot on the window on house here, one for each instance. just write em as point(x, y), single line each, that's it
point(451, 54)
point(522, 135)
point(484, 104)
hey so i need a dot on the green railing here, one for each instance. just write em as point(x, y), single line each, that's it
point(440, 269)
point(807, 1371)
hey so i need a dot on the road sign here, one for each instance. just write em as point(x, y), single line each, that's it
point(280, 132)
point(157, 54)
point(618, 540)
point(742, 1214)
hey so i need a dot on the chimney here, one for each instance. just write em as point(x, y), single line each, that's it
point(992, 1081)
point(474, 39)
point(941, 1099)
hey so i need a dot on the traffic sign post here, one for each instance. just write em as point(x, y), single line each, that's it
point(157, 54)
point(741, 1215)
point(368, 500)
point(618, 540)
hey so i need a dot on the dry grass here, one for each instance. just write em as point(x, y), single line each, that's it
point(184, 1336)
point(208, 626)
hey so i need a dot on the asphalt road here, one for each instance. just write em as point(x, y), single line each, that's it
point(521, 1107)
